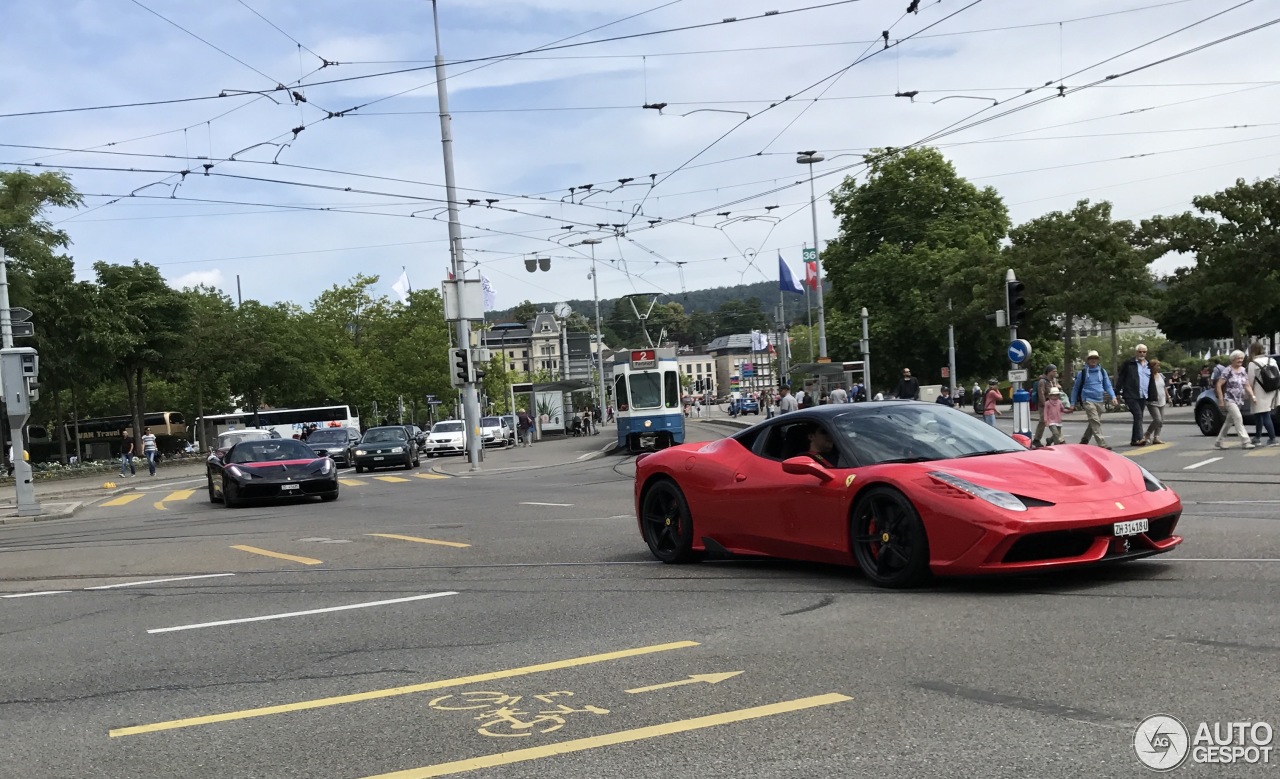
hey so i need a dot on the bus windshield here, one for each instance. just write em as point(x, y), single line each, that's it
point(646, 390)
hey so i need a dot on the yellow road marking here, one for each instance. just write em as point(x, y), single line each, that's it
point(609, 739)
point(351, 482)
point(430, 476)
point(693, 679)
point(419, 540)
point(280, 555)
point(1146, 449)
point(460, 681)
point(1269, 451)
point(392, 479)
point(123, 499)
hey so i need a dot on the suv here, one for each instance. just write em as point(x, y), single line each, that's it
point(494, 431)
point(336, 442)
point(1209, 417)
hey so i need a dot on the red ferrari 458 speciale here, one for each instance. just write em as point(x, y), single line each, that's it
point(902, 490)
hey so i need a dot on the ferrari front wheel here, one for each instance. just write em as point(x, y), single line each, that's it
point(889, 540)
point(667, 524)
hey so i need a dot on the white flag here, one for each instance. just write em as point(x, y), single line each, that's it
point(490, 296)
point(759, 342)
point(401, 287)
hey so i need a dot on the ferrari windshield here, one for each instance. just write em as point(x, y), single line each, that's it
point(447, 427)
point(918, 432)
point(271, 450)
point(385, 435)
point(328, 436)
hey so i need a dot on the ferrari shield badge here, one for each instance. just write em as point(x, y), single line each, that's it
point(849, 479)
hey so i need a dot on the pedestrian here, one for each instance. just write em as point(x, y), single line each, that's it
point(945, 398)
point(1092, 386)
point(149, 449)
point(909, 387)
point(1264, 400)
point(839, 395)
point(993, 396)
point(1157, 399)
point(525, 423)
point(126, 454)
point(785, 400)
point(1046, 386)
point(1053, 410)
point(1133, 380)
point(1233, 390)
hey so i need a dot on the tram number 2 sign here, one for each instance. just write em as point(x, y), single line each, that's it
point(643, 358)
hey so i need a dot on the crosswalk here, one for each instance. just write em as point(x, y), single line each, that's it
point(161, 501)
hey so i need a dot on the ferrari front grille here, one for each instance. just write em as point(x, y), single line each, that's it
point(1050, 546)
point(1162, 527)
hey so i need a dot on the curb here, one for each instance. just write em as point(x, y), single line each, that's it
point(66, 511)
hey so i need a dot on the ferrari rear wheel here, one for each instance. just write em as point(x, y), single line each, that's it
point(667, 524)
point(889, 540)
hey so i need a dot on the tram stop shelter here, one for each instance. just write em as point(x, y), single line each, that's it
point(547, 402)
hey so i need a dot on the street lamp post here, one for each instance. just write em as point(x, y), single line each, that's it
point(810, 158)
point(595, 293)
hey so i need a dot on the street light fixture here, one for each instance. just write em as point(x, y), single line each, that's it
point(599, 353)
point(810, 158)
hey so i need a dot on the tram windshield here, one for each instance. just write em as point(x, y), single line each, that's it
point(646, 390)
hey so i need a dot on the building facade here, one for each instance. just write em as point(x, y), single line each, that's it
point(696, 368)
point(738, 368)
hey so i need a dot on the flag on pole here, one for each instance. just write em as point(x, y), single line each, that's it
point(401, 287)
point(490, 296)
point(759, 343)
point(786, 279)
point(811, 274)
point(448, 272)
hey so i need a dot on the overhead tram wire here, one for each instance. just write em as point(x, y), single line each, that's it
point(216, 48)
point(302, 45)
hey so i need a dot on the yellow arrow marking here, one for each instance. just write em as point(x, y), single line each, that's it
point(420, 540)
point(123, 499)
point(278, 555)
point(693, 679)
point(176, 495)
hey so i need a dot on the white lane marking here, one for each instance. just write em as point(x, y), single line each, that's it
point(534, 503)
point(1193, 466)
point(588, 454)
point(1225, 559)
point(301, 613)
point(158, 581)
point(1230, 502)
point(31, 594)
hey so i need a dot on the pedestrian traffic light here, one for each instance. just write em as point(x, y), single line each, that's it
point(1017, 307)
point(462, 365)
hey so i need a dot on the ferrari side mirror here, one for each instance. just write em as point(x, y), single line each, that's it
point(806, 466)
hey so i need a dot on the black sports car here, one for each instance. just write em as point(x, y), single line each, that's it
point(386, 447)
point(270, 469)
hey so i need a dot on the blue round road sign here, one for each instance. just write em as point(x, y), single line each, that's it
point(1019, 351)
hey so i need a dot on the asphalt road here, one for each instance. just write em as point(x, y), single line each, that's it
point(511, 623)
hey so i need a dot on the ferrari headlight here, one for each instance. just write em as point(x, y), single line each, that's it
point(326, 466)
point(1153, 484)
point(235, 472)
point(1005, 500)
point(397, 450)
point(361, 453)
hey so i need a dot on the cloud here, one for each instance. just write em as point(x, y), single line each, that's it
point(207, 278)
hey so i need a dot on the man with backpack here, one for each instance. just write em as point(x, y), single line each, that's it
point(1264, 375)
point(1091, 387)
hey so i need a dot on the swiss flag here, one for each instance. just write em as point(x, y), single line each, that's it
point(449, 271)
point(811, 274)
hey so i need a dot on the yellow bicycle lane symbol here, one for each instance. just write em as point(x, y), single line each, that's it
point(501, 716)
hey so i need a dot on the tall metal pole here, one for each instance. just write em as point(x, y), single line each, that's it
point(866, 355)
point(24, 489)
point(470, 397)
point(809, 305)
point(951, 353)
point(811, 158)
point(599, 354)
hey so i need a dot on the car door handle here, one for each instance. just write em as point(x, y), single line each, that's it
point(740, 477)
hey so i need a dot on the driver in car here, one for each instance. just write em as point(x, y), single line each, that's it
point(821, 447)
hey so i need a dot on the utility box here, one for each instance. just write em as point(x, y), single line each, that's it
point(19, 369)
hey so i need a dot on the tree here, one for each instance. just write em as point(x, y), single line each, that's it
point(147, 327)
point(1080, 264)
point(524, 312)
point(201, 359)
point(1235, 240)
point(919, 248)
point(25, 234)
point(1176, 313)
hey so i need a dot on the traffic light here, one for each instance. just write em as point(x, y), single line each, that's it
point(697, 385)
point(480, 369)
point(462, 365)
point(1017, 307)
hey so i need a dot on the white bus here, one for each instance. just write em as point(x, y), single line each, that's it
point(287, 422)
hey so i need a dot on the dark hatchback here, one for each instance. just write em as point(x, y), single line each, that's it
point(336, 442)
point(270, 469)
point(386, 447)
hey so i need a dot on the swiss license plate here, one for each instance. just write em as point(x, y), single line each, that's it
point(1131, 528)
point(379, 458)
point(290, 486)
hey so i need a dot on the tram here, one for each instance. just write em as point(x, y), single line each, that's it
point(647, 398)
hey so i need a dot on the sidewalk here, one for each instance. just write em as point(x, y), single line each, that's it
point(549, 452)
point(61, 498)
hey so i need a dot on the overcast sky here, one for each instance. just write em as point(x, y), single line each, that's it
point(529, 128)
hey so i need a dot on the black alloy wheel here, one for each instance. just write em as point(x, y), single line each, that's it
point(667, 524)
point(889, 540)
point(1209, 418)
point(213, 496)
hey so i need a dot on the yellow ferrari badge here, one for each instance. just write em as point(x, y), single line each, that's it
point(1120, 505)
point(849, 479)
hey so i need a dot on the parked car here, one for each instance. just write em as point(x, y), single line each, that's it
point(386, 447)
point(336, 442)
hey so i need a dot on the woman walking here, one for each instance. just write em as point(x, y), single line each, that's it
point(1157, 399)
point(1233, 390)
point(1263, 402)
